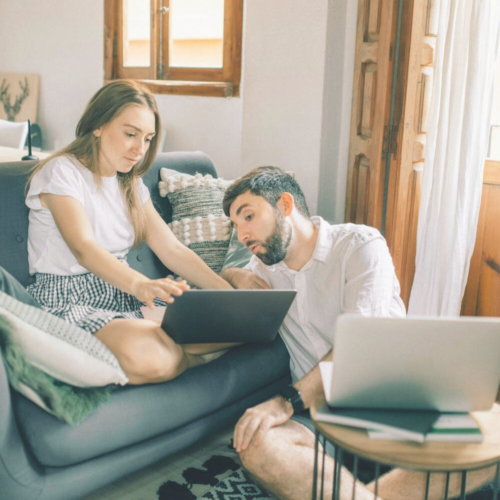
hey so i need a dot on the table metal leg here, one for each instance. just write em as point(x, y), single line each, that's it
point(323, 468)
point(339, 472)
point(447, 486)
point(337, 469)
point(464, 485)
point(427, 485)
point(377, 475)
point(495, 488)
point(336, 473)
point(355, 475)
point(315, 470)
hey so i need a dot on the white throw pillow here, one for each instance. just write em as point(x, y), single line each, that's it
point(61, 349)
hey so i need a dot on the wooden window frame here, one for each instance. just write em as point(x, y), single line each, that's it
point(159, 77)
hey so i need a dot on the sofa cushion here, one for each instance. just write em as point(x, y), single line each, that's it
point(135, 413)
point(198, 220)
point(14, 219)
point(143, 259)
point(58, 348)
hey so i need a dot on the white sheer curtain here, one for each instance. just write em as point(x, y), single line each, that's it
point(466, 53)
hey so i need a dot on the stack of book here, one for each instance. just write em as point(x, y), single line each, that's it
point(419, 426)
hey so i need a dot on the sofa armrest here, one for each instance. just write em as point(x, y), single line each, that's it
point(20, 476)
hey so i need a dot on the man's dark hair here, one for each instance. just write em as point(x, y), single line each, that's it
point(270, 183)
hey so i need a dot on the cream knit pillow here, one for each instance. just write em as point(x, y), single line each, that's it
point(198, 220)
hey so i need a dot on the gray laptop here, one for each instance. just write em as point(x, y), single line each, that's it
point(415, 363)
point(208, 316)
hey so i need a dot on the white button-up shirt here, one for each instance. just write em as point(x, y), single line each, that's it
point(351, 270)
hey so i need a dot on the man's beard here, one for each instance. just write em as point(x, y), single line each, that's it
point(276, 245)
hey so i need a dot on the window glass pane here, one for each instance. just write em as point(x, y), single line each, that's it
point(494, 150)
point(136, 33)
point(196, 33)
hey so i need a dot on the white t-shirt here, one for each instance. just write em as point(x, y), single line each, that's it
point(106, 210)
point(351, 270)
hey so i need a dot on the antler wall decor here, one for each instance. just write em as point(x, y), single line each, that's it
point(5, 98)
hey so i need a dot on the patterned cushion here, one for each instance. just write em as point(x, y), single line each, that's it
point(198, 220)
point(60, 349)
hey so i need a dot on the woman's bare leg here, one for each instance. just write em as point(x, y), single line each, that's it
point(146, 353)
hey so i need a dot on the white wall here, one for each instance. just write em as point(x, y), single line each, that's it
point(62, 40)
point(208, 124)
point(337, 101)
point(290, 112)
point(283, 92)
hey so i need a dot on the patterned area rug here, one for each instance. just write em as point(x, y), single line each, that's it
point(237, 486)
point(218, 478)
point(227, 479)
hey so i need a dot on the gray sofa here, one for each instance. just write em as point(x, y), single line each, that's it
point(42, 458)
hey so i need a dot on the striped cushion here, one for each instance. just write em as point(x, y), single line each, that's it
point(60, 349)
point(198, 220)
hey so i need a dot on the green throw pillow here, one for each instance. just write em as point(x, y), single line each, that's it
point(68, 403)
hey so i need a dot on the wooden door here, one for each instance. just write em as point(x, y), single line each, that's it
point(414, 88)
point(395, 140)
point(482, 293)
point(375, 34)
point(404, 145)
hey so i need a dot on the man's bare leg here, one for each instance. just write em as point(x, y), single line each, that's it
point(402, 484)
point(284, 464)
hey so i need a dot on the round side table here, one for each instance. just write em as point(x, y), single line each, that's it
point(429, 457)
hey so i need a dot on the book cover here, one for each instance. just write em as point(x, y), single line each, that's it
point(410, 425)
point(459, 427)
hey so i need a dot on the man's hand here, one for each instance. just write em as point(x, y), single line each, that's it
point(244, 279)
point(256, 421)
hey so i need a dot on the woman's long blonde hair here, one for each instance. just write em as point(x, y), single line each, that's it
point(105, 105)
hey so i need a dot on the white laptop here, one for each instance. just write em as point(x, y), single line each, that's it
point(415, 363)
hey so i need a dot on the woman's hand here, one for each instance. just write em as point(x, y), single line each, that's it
point(146, 290)
point(176, 256)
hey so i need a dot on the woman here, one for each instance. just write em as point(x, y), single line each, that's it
point(88, 206)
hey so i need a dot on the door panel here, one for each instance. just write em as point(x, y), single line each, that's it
point(404, 145)
point(373, 25)
point(372, 77)
point(369, 86)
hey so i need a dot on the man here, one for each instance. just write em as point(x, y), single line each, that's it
point(335, 269)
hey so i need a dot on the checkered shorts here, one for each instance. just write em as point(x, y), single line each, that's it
point(84, 299)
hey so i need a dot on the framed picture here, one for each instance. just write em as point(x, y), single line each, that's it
point(19, 96)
